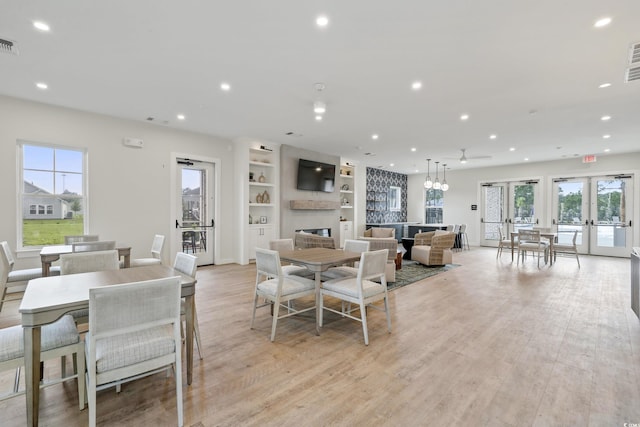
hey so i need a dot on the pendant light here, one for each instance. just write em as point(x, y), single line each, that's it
point(436, 183)
point(427, 182)
point(444, 185)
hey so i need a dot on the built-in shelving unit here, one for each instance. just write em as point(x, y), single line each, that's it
point(347, 201)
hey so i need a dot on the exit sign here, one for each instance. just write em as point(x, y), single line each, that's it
point(589, 158)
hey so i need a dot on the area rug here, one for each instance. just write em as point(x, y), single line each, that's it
point(412, 271)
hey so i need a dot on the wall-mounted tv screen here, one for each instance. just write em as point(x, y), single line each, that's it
point(316, 176)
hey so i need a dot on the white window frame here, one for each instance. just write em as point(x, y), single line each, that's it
point(20, 187)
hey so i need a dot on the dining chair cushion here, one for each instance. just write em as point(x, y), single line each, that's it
point(58, 334)
point(116, 352)
point(349, 287)
point(290, 285)
point(22, 275)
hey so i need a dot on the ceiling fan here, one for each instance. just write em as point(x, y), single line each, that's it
point(463, 159)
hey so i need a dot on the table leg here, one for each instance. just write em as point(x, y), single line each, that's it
point(32, 372)
point(512, 246)
point(189, 336)
point(46, 268)
point(318, 276)
point(127, 261)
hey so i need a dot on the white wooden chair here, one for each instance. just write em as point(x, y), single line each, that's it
point(276, 288)
point(504, 242)
point(361, 290)
point(58, 339)
point(567, 249)
point(85, 262)
point(530, 241)
point(345, 271)
point(156, 254)
point(287, 270)
point(68, 240)
point(144, 319)
point(10, 278)
point(188, 264)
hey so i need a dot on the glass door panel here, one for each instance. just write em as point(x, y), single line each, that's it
point(570, 211)
point(522, 205)
point(611, 213)
point(494, 211)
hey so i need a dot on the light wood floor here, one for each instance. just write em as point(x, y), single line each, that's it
point(487, 343)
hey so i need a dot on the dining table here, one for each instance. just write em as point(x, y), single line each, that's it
point(550, 236)
point(49, 254)
point(318, 260)
point(47, 299)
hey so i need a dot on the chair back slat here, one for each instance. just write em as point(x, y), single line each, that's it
point(373, 264)
point(68, 240)
point(85, 262)
point(185, 263)
point(268, 262)
point(105, 245)
point(281, 245)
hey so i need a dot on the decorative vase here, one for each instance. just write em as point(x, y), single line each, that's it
point(265, 197)
point(262, 178)
point(259, 198)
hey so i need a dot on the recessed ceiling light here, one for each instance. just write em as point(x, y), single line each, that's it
point(181, 117)
point(225, 86)
point(526, 159)
point(318, 118)
point(607, 136)
point(603, 85)
point(391, 164)
point(464, 117)
point(413, 148)
point(493, 136)
point(374, 136)
point(602, 22)
point(322, 21)
point(42, 26)
point(416, 85)
point(606, 150)
point(512, 149)
point(605, 118)
point(41, 85)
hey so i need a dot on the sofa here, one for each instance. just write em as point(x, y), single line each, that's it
point(308, 240)
point(433, 247)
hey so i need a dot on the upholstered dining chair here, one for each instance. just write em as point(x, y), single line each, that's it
point(287, 245)
point(276, 288)
point(69, 240)
point(504, 242)
point(571, 248)
point(188, 264)
point(530, 241)
point(156, 254)
point(104, 245)
point(344, 271)
point(85, 262)
point(144, 319)
point(362, 290)
point(57, 339)
point(10, 278)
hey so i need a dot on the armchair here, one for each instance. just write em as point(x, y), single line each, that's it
point(380, 232)
point(438, 253)
point(307, 240)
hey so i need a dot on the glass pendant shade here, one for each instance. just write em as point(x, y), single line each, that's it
point(427, 182)
point(444, 185)
point(436, 183)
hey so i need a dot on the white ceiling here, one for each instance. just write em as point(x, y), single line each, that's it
point(526, 71)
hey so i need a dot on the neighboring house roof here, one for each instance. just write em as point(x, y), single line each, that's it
point(31, 189)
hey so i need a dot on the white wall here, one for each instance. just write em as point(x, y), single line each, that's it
point(464, 187)
point(129, 189)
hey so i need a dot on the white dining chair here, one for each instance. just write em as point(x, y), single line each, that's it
point(104, 245)
point(68, 240)
point(57, 339)
point(134, 331)
point(503, 242)
point(530, 241)
point(287, 245)
point(15, 279)
point(343, 271)
point(362, 290)
point(156, 254)
point(571, 248)
point(276, 288)
point(188, 264)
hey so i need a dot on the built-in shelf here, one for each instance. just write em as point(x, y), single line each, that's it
point(314, 204)
point(346, 207)
point(269, 165)
point(260, 184)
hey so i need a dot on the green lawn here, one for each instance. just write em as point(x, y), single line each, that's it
point(40, 232)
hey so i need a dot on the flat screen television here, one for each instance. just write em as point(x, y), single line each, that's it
point(316, 176)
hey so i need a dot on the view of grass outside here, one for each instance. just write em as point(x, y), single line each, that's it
point(41, 232)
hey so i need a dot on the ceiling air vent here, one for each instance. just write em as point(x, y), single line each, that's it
point(634, 54)
point(8, 46)
point(633, 74)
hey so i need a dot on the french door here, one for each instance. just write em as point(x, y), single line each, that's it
point(510, 205)
point(600, 208)
point(195, 209)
